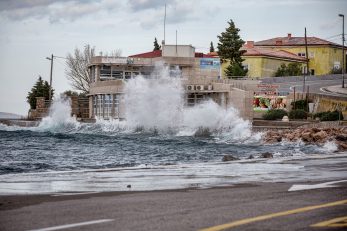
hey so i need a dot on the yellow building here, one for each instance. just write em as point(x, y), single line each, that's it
point(262, 62)
point(323, 55)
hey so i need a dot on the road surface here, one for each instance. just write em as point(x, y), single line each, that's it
point(254, 206)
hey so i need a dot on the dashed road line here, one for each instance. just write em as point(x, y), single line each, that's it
point(272, 215)
point(336, 222)
point(73, 225)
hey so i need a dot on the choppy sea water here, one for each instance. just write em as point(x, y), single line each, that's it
point(161, 145)
point(74, 157)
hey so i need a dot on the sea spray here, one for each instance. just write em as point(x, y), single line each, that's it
point(59, 118)
point(155, 103)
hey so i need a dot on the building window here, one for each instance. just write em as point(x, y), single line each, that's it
point(92, 73)
point(105, 72)
point(117, 74)
point(95, 105)
point(301, 54)
point(107, 106)
point(245, 66)
point(100, 108)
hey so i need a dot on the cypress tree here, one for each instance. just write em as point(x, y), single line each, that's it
point(211, 47)
point(157, 47)
point(229, 47)
point(40, 89)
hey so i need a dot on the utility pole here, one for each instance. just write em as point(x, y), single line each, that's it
point(50, 78)
point(307, 67)
point(164, 22)
point(343, 50)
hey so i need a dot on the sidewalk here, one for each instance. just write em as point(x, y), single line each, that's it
point(337, 89)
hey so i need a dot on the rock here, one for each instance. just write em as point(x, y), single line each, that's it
point(229, 158)
point(251, 157)
point(341, 137)
point(285, 119)
point(319, 136)
point(306, 137)
point(342, 146)
point(267, 155)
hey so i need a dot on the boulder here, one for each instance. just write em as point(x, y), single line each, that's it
point(342, 146)
point(251, 157)
point(229, 158)
point(341, 137)
point(266, 155)
point(306, 137)
point(285, 119)
point(319, 136)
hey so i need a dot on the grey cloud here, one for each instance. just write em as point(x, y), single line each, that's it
point(54, 10)
point(138, 5)
point(176, 13)
point(7, 5)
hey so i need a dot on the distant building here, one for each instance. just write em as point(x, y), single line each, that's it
point(109, 75)
point(264, 62)
point(324, 56)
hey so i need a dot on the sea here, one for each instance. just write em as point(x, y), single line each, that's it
point(162, 144)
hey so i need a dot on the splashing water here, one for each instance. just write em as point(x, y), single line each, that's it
point(59, 118)
point(155, 104)
point(158, 104)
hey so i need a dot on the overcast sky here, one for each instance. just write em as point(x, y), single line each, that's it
point(31, 30)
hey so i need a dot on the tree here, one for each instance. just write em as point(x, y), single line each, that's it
point(157, 47)
point(77, 68)
point(293, 69)
point(229, 49)
point(211, 47)
point(40, 89)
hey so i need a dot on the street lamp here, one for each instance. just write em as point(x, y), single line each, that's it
point(343, 50)
point(50, 79)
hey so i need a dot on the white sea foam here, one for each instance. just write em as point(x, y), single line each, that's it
point(330, 146)
point(59, 118)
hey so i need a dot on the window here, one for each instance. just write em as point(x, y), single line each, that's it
point(127, 75)
point(99, 106)
point(117, 74)
point(245, 66)
point(105, 72)
point(95, 107)
point(302, 54)
point(107, 106)
point(92, 73)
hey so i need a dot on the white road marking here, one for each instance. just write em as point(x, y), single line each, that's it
point(72, 225)
point(299, 187)
point(71, 194)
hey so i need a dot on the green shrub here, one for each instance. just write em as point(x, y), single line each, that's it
point(329, 116)
point(300, 104)
point(298, 114)
point(274, 114)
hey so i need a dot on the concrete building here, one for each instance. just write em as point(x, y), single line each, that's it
point(200, 75)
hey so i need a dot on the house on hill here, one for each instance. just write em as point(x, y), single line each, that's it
point(323, 55)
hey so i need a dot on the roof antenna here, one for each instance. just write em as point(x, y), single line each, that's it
point(176, 42)
point(164, 22)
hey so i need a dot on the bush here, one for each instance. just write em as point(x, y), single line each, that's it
point(329, 116)
point(298, 114)
point(300, 104)
point(274, 114)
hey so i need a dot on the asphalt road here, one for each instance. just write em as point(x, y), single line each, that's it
point(263, 206)
point(313, 86)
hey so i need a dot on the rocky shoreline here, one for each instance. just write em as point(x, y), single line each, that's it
point(309, 136)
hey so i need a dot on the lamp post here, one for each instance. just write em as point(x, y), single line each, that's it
point(343, 50)
point(50, 78)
